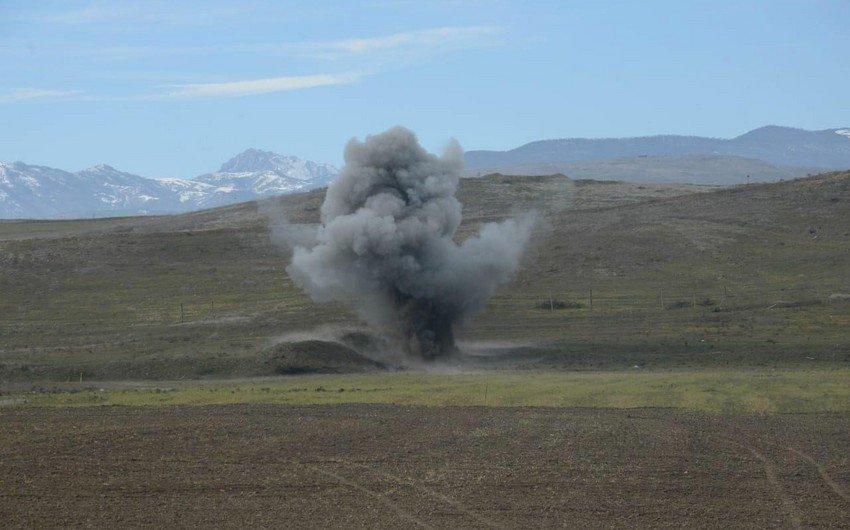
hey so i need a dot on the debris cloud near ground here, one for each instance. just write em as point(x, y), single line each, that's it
point(387, 244)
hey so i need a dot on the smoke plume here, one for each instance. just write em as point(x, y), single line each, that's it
point(386, 243)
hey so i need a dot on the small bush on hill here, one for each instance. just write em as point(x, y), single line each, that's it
point(559, 304)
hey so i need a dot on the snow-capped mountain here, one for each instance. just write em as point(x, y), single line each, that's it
point(254, 160)
point(254, 173)
point(28, 191)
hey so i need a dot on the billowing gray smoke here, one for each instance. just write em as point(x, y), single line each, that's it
point(387, 243)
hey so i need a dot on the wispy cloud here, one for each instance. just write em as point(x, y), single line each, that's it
point(192, 91)
point(428, 40)
point(419, 42)
point(258, 86)
point(24, 94)
point(355, 57)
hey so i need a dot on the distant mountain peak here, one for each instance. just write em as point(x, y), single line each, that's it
point(773, 132)
point(253, 160)
point(764, 128)
point(101, 168)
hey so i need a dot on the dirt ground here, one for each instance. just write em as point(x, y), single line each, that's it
point(383, 466)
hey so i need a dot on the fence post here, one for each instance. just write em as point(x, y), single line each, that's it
point(591, 298)
point(181, 314)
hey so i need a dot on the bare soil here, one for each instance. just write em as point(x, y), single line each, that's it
point(393, 466)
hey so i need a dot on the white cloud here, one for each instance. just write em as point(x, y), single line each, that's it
point(259, 86)
point(195, 90)
point(434, 39)
point(24, 94)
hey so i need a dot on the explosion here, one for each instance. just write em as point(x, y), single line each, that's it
point(387, 244)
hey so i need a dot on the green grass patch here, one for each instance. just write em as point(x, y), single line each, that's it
point(762, 391)
point(34, 228)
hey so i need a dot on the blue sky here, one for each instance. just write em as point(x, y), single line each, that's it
point(163, 88)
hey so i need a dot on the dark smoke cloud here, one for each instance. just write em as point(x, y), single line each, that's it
point(386, 243)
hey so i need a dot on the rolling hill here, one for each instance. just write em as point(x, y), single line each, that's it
point(618, 275)
point(693, 169)
point(781, 146)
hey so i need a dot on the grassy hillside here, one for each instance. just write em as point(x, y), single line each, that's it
point(697, 169)
point(745, 274)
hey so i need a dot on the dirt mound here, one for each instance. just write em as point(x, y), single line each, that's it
point(315, 356)
point(839, 298)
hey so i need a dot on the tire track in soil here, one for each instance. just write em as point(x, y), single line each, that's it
point(770, 473)
point(375, 495)
point(437, 495)
point(835, 486)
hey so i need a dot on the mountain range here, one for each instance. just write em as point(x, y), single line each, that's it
point(781, 146)
point(765, 154)
point(29, 191)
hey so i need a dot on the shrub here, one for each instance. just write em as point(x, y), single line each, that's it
point(559, 304)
